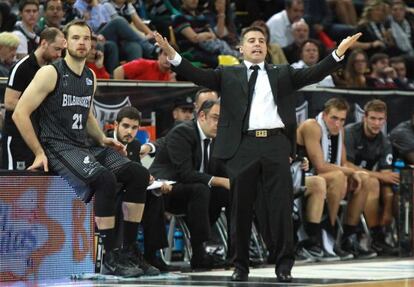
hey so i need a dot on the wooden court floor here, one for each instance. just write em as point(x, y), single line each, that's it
point(381, 272)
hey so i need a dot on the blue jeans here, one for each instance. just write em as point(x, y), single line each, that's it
point(131, 45)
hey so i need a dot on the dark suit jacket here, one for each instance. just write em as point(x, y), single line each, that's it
point(179, 158)
point(231, 83)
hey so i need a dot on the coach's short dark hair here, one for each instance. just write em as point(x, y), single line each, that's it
point(130, 113)
point(250, 29)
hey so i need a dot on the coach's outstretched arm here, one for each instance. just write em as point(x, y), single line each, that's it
point(165, 45)
point(346, 44)
point(42, 84)
point(206, 77)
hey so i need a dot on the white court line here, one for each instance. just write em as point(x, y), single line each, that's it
point(384, 270)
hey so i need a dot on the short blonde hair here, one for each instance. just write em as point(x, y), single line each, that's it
point(9, 39)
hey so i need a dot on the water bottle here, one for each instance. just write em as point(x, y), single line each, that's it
point(140, 239)
point(178, 251)
point(399, 164)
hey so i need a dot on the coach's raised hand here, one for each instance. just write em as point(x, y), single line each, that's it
point(346, 44)
point(165, 45)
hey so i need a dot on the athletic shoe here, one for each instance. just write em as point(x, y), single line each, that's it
point(352, 245)
point(383, 248)
point(303, 256)
point(343, 255)
point(116, 263)
point(135, 256)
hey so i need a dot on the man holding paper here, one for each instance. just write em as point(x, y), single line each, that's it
point(199, 192)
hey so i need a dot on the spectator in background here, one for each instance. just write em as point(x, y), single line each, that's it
point(345, 11)
point(300, 32)
point(221, 18)
point(319, 17)
point(115, 29)
point(196, 37)
point(375, 35)
point(161, 12)
point(53, 14)
point(260, 9)
point(309, 55)
point(8, 46)
point(355, 70)
point(148, 70)
point(95, 61)
point(70, 12)
point(275, 53)
point(26, 29)
point(402, 139)
point(382, 75)
point(399, 65)
point(126, 10)
point(280, 24)
point(401, 29)
point(7, 18)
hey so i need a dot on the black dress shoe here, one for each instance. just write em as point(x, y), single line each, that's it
point(284, 276)
point(239, 275)
point(206, 262)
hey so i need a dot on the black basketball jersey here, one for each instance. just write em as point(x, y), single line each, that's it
point(20, 77)
point(64, 112)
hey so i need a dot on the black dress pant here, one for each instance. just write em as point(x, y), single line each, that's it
point(192, 199)
point(201, 204)
point(153, 222)
point(263, 161)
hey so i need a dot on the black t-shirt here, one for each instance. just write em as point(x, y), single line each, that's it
point(20, 77)
point(371, 154)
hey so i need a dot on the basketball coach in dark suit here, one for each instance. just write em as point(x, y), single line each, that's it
point(256, 136)
point(201, 189)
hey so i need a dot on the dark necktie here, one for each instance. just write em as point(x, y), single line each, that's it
point(205, 155)
point(251, 84)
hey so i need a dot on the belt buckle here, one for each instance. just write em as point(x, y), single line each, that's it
point(261, 133)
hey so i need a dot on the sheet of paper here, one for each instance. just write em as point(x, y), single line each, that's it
point(158, 183)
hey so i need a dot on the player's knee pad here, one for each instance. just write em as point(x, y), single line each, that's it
point(105, 187)
point(135, 179)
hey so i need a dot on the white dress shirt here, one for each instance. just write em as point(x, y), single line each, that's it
point(202, 138)
point(263, 109)
point(280, 29)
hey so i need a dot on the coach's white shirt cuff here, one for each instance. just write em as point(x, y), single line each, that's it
point(176, 61)
point(336, 57)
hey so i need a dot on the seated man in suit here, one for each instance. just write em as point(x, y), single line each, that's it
point(185, 158)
